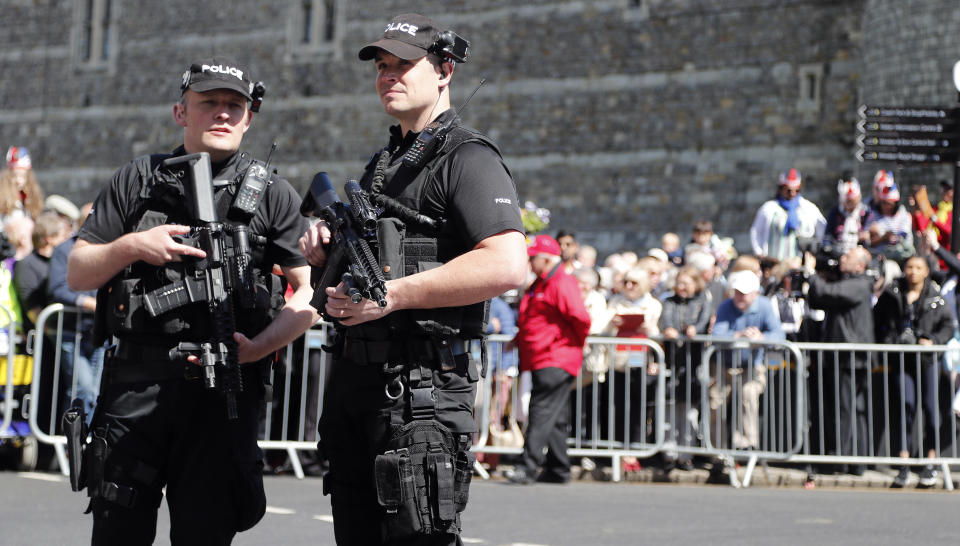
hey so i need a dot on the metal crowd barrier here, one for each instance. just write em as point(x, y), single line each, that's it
point(283, 428)
point(735, 399)
point(47, 433)
point(869, 402)
point(291, 415)
point(629, 424)
point(729, 399)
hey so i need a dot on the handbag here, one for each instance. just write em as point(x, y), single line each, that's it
point(506, 437)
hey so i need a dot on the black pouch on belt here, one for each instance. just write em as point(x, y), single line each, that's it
point(415, 481)
point(440, 472)
point(397, 493)
point(463, 473)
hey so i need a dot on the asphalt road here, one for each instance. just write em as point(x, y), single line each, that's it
point(40, 510)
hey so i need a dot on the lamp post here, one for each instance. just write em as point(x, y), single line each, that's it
point(955, 221)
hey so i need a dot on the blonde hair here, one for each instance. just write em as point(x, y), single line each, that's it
point(639, 275)
point(693, 274)
point(10, 195)
point(745, 262)
point(48, 224)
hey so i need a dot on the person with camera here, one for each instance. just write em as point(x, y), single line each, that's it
point(912, 312)
point(164, 422)
point(399, 410)
point(846, 300)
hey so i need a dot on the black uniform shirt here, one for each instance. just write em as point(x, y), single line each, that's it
point(278, 217)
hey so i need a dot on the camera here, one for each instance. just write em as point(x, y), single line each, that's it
point(797, 279)
point(826, 254)
point(256, 94)
point(450, 47)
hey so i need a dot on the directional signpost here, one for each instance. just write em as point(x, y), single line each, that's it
point(914, 134)
point(908, 134)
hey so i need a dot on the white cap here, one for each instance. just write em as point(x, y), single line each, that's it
point(745, 282)
point(659, 254)
point(63, 206)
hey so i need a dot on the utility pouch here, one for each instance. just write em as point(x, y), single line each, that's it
point(391, 233)
point(75, 429)
point(397, 493)
point(463, 473)
point(415, 481)
point(440, 473)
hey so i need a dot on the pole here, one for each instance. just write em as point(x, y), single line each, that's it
point(955, 220)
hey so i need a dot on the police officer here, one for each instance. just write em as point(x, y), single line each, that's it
point(156, 424)
point(397, 418)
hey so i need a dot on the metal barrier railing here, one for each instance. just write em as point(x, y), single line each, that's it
point(695, 399)
point(869, 403)
point(751, 401)
point(47, 433)
point(630, 424)
point(297, 428)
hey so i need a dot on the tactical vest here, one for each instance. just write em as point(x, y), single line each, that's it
point(406, 247)
point(162, 200)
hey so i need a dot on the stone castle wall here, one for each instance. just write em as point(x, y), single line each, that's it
point(626, 118)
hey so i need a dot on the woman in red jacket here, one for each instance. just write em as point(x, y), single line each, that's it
point(552, 328)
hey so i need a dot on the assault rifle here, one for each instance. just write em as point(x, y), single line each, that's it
point(349, 257)
point(219, 279)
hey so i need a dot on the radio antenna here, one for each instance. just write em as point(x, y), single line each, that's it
point(270, 155)
point(477, 88)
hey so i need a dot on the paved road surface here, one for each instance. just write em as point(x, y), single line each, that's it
point(40, 510)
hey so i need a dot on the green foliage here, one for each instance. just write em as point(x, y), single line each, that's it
point(535, 219)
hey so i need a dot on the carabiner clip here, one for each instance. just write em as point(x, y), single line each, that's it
point(386, 389)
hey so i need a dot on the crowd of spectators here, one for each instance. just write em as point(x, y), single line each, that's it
point(36, 235)
point(868, 270)
point(852, 275)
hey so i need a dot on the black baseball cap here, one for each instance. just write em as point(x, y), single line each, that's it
point(217, 73)
point(946, 184)
point(408, 36)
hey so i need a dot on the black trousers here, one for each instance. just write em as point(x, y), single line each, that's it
point(175, 433)
point(846, 426)
point(903, 395)
point(548, 425)
point(355, 424)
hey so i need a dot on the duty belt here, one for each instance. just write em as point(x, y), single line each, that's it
point(134, 362)
point(377, 352)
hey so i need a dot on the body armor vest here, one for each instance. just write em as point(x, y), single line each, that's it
point(407, 246)
point(162, 201)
